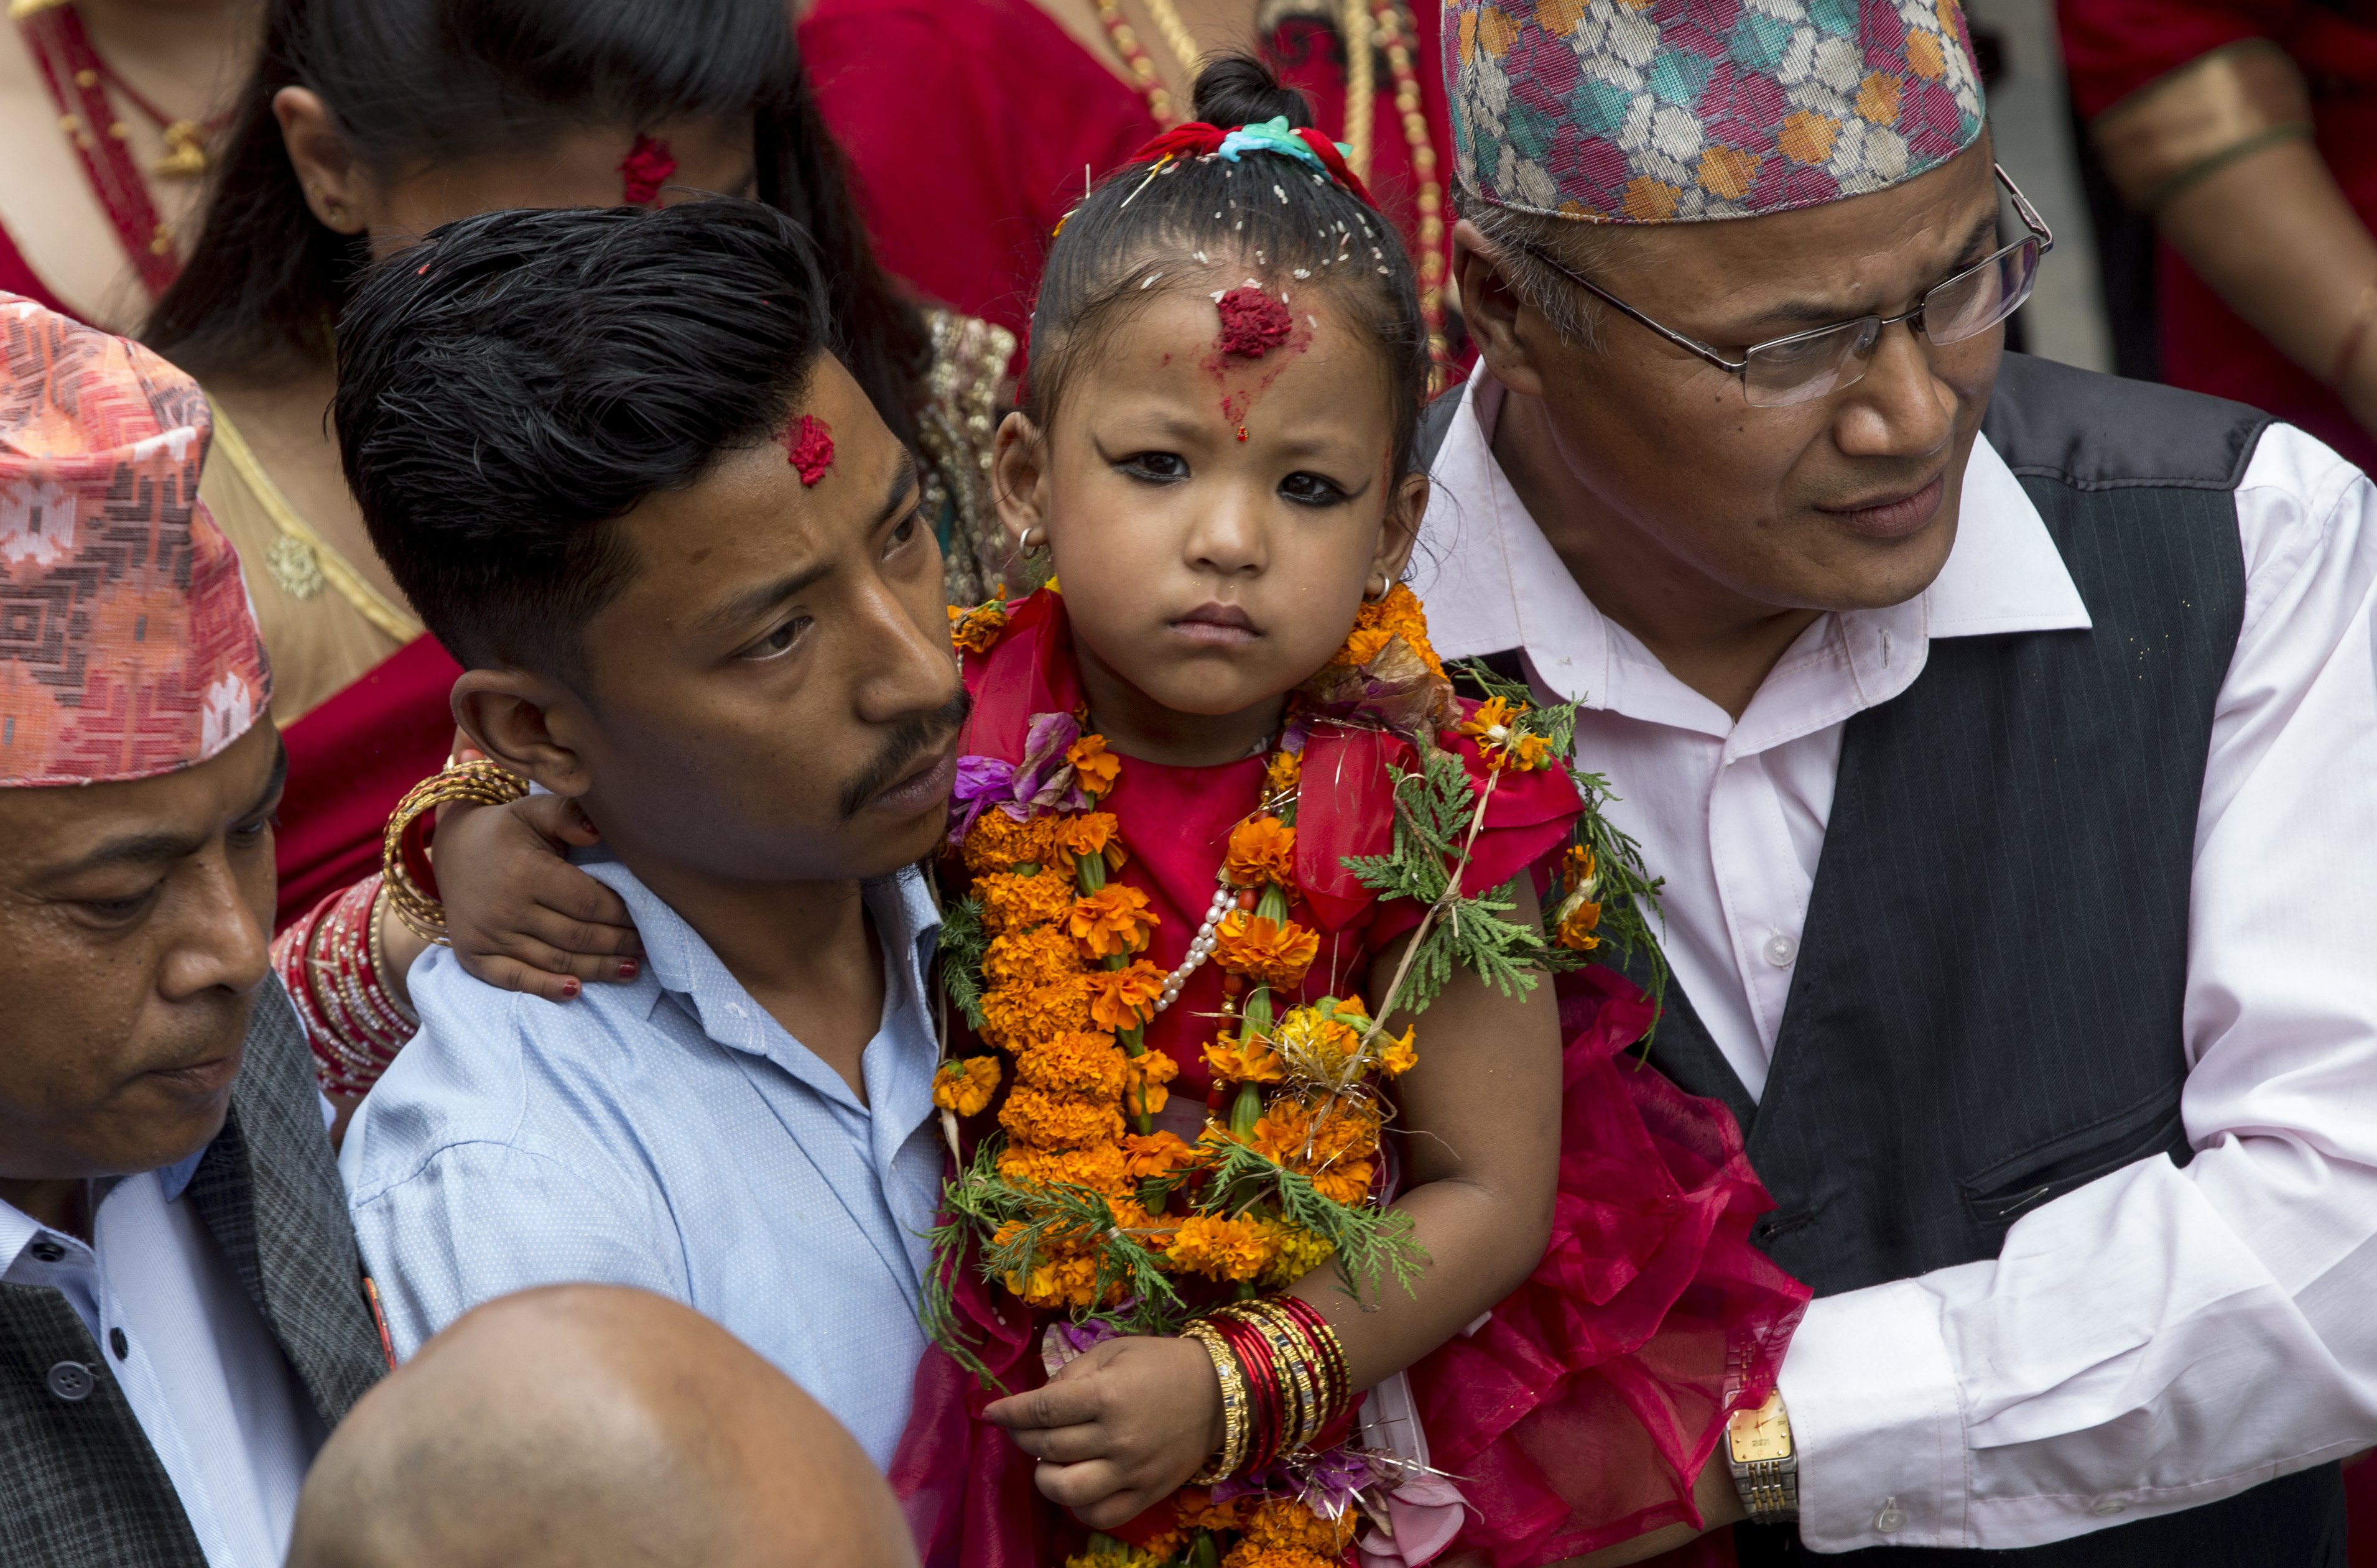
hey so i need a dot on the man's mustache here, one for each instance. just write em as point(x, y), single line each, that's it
point(913, 738)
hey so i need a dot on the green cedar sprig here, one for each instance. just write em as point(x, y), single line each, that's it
point(1371, 1243)
point(963, 942)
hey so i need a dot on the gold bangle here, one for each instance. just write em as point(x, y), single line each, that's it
point(1233, 1453)
point(480, 782)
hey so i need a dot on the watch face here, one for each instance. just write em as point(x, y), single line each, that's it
point(1762, 1433)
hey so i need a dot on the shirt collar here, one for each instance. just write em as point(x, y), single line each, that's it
point(681, 963)
point(1491, 581)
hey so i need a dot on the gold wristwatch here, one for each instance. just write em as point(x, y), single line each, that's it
point(1766, 1466)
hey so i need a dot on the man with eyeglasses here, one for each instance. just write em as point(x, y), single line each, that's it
point(2007, 736)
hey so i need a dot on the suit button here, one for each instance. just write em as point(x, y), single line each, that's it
point(117, 1343)
point(71, 1381)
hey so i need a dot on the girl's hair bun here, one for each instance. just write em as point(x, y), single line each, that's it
point(1238, 90)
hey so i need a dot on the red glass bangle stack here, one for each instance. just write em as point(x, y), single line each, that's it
point(1284, 1381)
point(331, 962)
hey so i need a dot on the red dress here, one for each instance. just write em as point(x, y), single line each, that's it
point(967, 125)
point(1579, 1412)
point(2114, 47)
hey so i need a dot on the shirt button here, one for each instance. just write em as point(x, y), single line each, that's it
point(1892, 1519)
point(117, 1343)
point(71, 1381)
point(1780, 950)
point(2105, 1507)
point(47, 1251)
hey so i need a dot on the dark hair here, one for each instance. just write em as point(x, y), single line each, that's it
point(510, 386)
point(1276, 214)
point(423, 83)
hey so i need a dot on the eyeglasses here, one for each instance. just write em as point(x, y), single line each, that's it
point(1806, 366)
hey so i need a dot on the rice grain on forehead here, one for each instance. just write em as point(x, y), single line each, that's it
point(1158, 226)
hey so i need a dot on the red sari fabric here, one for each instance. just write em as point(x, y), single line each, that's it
point(351, 761)
point(1610, 1359)
point(2114, 47)
point(967, 125)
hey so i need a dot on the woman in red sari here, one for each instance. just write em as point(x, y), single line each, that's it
point(366, 123)
point(972, 125)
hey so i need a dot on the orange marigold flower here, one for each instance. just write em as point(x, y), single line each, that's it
point(1120, 998)
point(1101, 1167)
point(1048, 1121)
point(1346, 1181)
point(1063, 1274)
point(1285, 771)
point(976, 630)
point(1251, 1061)
point(1152, 1155)
point(1015, 1016)
point(1091, 832)
point(1114, 920)
point(1073, 1066)
point(1531, 752)
point(1397, 1056)
point(1043, 955)
point(1274, 951)
point(1577, 920)
point(1198, 1511)
point(1011, 903)
point(1327, 1138)
point(1316, 1044)
point(1144, 1077)
point(1094, 767)
point(964, 1084)
point(1380, 621)
point(998, 842)
point(1286, 1525)
point(1221, 1248)
point(1577, 868)
point(1262, 850)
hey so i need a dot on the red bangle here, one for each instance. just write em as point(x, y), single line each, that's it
point(330, 961)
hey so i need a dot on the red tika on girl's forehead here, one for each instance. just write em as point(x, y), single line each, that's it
point(1252, 323)
point(809, 447)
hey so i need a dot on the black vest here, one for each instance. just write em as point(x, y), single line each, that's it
point(1986, 1010)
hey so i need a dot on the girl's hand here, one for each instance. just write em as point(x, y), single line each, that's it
point(1120, 1428)
point(520, 916)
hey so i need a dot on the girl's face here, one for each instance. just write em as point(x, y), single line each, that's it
point(1215, 516)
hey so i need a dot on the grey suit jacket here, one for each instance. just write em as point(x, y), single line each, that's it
point(79, 1486)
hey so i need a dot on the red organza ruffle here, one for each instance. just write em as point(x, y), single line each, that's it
point(1579, 1414)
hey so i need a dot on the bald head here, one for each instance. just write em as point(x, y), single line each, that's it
point(592, 1427)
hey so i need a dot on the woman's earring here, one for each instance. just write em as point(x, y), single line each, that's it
point(1376, 589)
point(1032, 537)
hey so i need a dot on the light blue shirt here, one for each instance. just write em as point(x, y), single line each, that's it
point(196, 1360)
point(669, 1135)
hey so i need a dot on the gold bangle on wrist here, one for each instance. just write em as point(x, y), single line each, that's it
point(477, 783)
point(1234, 1421)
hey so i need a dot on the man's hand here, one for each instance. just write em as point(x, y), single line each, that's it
point(1120, 1428)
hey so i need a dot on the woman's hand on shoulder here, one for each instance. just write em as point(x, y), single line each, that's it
point(518, 914)
point(1119, 1428)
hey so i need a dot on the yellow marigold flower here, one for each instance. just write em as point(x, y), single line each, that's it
point(1094, 767)
point(1048, 1121)
point(1502, 745)
point(1286, 770)
point(1091, 832)
point(1579, 871)
point(1144, 1077)
point(1284, 1524)
point(1296, 1253)
point(1120, 998)
point(964, 1084)
point(1262, 850)
point(1251, 1062)
point(1114, 920)
point(1011, 903)
point(1220, 1248)
point(1274, 951)
point(1531, 752)
point(1042, 955)
point(1397, 1056)
point(998, 842)
point(976, 630)
point(1073, 1066)
point(1313, 1044)
point(1149, 1156)
point(1100, 1167)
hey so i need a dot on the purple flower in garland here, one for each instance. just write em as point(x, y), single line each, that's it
point(982, 781)
point(1044, 780)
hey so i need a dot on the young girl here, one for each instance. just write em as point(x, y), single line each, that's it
point(1217, 807)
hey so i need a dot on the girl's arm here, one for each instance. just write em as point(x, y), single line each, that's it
point(520, 916)
point(1130, 1422)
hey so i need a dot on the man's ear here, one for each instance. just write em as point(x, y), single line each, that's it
point(1400, 530)
point(1504, 327)
point(1019, 467)
point(506, 715)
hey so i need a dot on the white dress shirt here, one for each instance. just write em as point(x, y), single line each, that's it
point(2159, 1338)
point(195, 1358)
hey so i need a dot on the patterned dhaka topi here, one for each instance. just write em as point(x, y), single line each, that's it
point(127, 644)
point(1673, 111)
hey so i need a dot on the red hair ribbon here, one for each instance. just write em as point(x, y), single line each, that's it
point(1195, 138)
